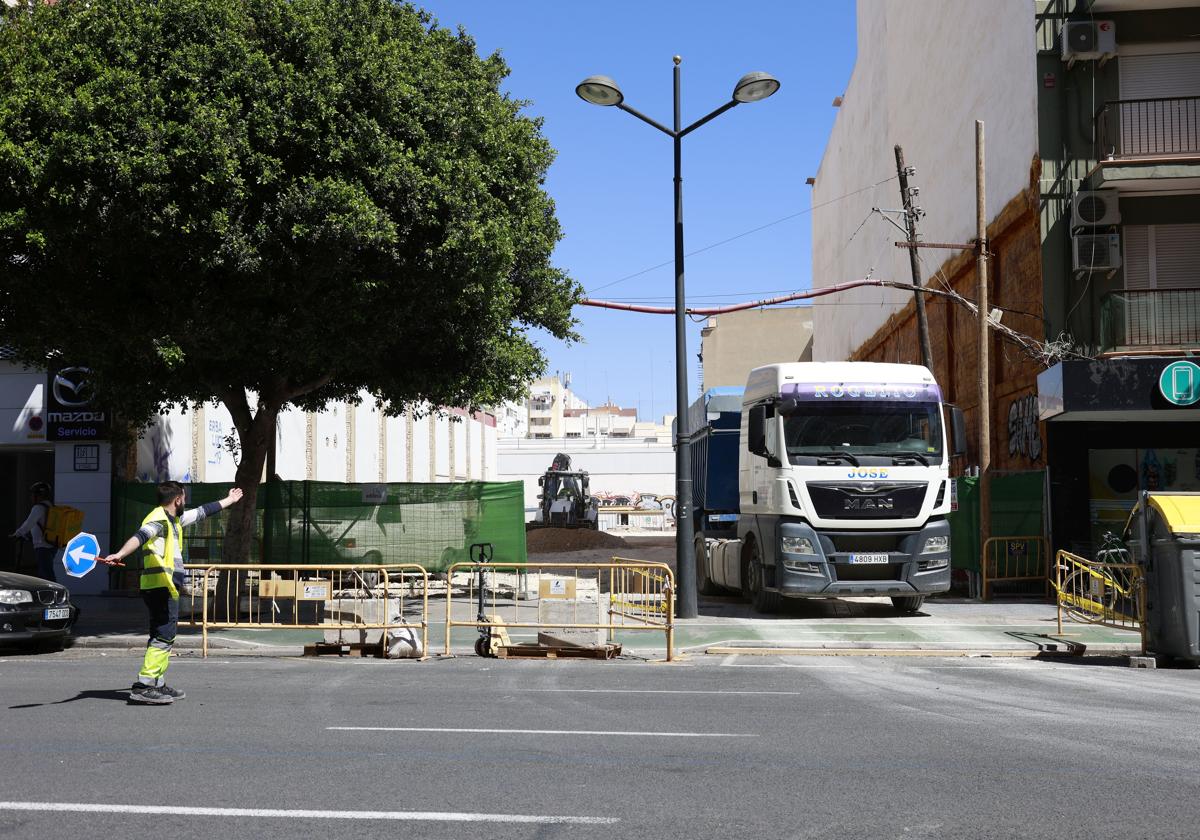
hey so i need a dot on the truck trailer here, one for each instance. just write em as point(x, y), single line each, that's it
point(842, 484)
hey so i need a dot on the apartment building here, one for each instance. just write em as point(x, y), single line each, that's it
point(1092, 115)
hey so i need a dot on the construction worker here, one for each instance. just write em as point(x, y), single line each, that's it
point(161, 536)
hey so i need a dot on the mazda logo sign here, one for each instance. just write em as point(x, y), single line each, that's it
point(72, 388)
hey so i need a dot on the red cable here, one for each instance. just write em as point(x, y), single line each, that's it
point(735, 307)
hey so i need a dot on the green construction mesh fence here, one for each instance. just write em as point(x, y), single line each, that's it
point(1017, 511)
point(314, 522)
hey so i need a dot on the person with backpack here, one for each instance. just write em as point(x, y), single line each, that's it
point(161, 540)
point(34, 528)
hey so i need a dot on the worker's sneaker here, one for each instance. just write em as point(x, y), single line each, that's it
point(173, 693)
point(149, 695)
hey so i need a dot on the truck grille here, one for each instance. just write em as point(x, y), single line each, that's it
point(867, 500)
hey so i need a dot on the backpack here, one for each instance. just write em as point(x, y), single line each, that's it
point(62, 524)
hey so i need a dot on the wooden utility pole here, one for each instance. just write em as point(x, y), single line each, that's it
point(914, 259)
point(985, 397)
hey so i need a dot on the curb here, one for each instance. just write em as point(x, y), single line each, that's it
point(930, 652)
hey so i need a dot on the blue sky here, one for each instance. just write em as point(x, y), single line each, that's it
point(612, 179)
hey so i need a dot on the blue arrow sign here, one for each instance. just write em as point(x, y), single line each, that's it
point(79, 557)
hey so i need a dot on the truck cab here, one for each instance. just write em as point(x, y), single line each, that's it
point(843, 485)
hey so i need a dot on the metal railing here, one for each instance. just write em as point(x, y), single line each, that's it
point(1129, 128)
point(1146, 318)
point(349, 602)
point(566, 604)
point(1094, 592)
point(1014, 559)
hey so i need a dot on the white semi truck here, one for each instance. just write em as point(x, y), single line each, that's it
point(843, 485)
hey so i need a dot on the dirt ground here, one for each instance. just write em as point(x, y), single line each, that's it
point(580, 546)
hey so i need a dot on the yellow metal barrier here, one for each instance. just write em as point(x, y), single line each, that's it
point(556, 598)
point(1109, 594)
point(1008, 559)
point(342, 598)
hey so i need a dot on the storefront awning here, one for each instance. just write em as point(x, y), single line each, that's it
point(1126, 389)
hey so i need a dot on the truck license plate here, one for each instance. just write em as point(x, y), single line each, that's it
point(58, 613)
point(869, 559)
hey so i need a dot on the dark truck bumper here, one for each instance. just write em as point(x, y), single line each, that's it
point(908, 569)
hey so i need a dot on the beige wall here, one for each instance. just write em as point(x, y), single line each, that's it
point(733, 344)
point(925, 71)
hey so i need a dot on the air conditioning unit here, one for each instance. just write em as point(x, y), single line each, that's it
point(1095, 208)
point(1083, 39)
point(1096, 252)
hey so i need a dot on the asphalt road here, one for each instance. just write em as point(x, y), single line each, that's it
point(713, 747)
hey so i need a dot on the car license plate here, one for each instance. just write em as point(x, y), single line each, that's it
point(58, 613)
point(869, 559)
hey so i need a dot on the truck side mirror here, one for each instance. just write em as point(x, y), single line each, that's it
point(958, 432)
point(757, 442)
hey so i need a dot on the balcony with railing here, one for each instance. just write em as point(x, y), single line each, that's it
point(1147, 128)
point(1150, 319)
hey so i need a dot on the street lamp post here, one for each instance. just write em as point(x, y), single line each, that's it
point(601, 90)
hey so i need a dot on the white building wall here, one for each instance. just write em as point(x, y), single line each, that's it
point(90, 492)
point(925, 72)
point(366, 441)
point(613, 466)
point(22, 405)
point(458, 427)
point(441, 447)
point(291, 445)
point(397, 449)
point(165, 450)
point(329, 447)
point(422, 454)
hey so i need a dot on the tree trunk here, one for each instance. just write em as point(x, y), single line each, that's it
point(256, 441)
point(255, 436)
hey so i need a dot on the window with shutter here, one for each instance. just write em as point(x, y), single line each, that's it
point(1160, 262)
point(1159, 112)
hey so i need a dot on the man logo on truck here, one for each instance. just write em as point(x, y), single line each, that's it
point(868, 504)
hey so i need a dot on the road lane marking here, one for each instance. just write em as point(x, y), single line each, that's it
point(649, 691)
point(303, 814)
point(537, 731)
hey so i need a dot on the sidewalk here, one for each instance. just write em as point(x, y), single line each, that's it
point(944, 626)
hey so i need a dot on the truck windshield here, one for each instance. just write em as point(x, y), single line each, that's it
point(867, 427)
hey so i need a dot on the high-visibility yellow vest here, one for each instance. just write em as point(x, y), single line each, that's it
point(158, 565)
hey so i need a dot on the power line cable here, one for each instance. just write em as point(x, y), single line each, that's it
point(743, 234)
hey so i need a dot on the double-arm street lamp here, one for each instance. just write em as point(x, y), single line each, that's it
point(601, 90)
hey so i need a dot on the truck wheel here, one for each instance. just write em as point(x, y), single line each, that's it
point(704, 584)
point(761, 600)
point(908, 603)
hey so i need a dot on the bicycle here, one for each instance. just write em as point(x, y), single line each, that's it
point(1104, 590)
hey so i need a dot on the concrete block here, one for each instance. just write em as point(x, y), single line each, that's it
point(584, 608)
point(404, 640)
point(1149, 662)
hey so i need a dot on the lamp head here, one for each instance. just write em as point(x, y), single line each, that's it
point(599, 90)
point(755, 86)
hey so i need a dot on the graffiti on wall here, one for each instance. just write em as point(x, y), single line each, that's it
point(1024, 436)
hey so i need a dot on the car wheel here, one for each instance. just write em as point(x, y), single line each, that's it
point(908, 603)
point(760, 599)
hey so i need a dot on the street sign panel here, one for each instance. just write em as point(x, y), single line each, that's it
point(1180, 383)
point(79, 557)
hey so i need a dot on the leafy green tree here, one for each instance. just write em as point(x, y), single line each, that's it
point(299, 199)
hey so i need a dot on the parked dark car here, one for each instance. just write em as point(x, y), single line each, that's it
point(34, 611)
